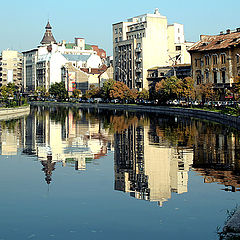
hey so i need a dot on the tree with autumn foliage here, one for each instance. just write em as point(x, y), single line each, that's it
point(187, 86)
point(93, 92)
point(120, 91)
point(143, 95)
point(205, 92)
point(169, 88)
point(236, 88)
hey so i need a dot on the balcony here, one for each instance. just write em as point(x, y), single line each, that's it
point(138, 70)
point(139, 80)
point(138, 60)
point(138, 50)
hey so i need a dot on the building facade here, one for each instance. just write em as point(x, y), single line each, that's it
point(180, 71)
point(216, 60)
point(144, 42)
point(11, 68)
point(43, 66)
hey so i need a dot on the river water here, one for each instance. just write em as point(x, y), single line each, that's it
point(67, 173)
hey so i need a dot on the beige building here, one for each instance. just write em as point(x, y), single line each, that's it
point(11, 68)
point(216, 60)
point(82, 78)
point(144, 42)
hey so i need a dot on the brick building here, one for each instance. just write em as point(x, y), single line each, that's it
point(216, 59)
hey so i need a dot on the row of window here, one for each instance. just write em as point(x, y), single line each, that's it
point(136, 36)
point(215, 60)
point(118, 30)
point(200, 78)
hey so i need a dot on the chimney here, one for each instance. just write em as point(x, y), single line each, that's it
point(228, 31)
point(238, 29)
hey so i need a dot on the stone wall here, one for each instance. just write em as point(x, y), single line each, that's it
point(188, 112)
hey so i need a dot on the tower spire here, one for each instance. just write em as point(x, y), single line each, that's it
point(48, 36)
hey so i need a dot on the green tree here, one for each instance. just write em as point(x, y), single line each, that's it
point(58, 90)
point(107, 86)
point(143, 95)
point(40, 91)
point(93, 92)
point(77, 93)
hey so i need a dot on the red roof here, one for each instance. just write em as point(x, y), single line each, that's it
point(216, 42)
point(95, 70)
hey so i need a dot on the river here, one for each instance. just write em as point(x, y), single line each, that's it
point(67, 173)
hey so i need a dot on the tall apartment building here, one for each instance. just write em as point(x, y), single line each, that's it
point(11, 68)
point(144, 42)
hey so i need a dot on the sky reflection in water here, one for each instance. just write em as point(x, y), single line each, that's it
point(71, 174)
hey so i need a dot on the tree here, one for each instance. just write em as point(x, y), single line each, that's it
point(188, 88)
point(58, 90)
point(119, 90)
point(93, 92)
point(236, 88)
point(40, 91)
point(107, 86)
point(144, 94)
point(77, 93)
point(169, 88)
point(205, 92)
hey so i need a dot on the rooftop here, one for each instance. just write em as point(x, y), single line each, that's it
point(215, 42)
point(76, 58)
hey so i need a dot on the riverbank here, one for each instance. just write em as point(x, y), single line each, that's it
point(11, 113)
point(225, 119)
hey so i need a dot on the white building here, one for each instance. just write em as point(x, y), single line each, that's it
point(42, 66)
point(144, 42)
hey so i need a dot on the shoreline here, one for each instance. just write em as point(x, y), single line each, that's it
point(225, 119)
point(12, 113)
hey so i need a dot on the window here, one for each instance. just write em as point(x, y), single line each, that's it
point(207, 60)
point(196, 62)
point(207, 76)
point(238, 58)
point(223, 58)
point(223, 77)
point(178, 48)
point(120, 39)
point(116, 40)
point(215, 59)
point(199, 79)
point(120, 30)
point(116, 31)
point(215, 77)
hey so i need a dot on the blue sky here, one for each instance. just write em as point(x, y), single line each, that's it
point(23, 22)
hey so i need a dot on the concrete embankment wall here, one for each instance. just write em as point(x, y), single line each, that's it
point(188, 112)
point(11, 113)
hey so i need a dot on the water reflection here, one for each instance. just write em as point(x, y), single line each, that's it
point(153, 154)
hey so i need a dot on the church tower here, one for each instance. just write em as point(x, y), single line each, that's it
point(48, 36)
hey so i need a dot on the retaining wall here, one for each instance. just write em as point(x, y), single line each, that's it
point(10, 113)
point(189, 112)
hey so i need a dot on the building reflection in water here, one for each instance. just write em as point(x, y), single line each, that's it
point(63, 136)
point(149, 170)
point(153, 153)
